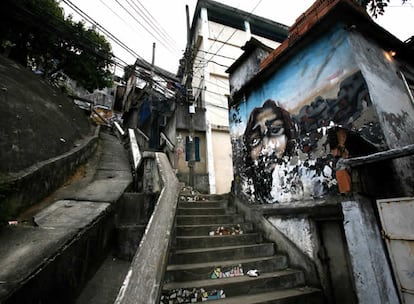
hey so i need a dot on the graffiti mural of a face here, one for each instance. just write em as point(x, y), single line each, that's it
point(267, 138)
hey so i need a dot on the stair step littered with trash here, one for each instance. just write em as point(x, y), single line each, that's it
point(217, 256)
point(201, 271)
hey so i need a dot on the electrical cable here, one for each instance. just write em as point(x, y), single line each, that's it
point(143, 26)
point(156, 25)
point(250, 13)
point(142, 62)
point(106, 32)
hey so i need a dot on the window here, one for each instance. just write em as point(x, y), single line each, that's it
point(196, 148)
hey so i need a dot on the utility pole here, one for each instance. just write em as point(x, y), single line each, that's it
point(155, 136)
point(190, 99)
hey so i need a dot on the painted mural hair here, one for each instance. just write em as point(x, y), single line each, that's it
point(290, 126)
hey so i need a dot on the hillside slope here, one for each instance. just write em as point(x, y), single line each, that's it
point(37, 122)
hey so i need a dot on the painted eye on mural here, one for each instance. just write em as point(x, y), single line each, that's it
point(255, 141)
point(276, 130)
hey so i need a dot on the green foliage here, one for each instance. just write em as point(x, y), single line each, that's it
point(376, 7)
point(35, 33)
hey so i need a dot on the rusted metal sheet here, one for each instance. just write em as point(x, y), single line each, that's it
point(397, 219)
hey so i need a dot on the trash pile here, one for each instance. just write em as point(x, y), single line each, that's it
point(194, 295)
point(234, 271)
point(189, 191)
point(191, 296)
point(188, 194)
point(194, 198)
point(221, 230)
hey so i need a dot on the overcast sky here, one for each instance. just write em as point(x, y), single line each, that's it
point(164, 22)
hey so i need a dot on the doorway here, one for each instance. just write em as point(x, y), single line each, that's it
point(333, 253)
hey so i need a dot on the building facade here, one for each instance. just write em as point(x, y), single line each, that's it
point(217, 34)
point(322, 143)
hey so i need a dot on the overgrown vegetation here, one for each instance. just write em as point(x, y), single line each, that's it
point(36, 34)
point(377, 7)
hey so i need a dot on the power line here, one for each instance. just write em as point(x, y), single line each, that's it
point(202, 78)
point(157, 25)
point(143, 63)
point(143, 26)
point(251, 12)
point(151, 25)
point(227, 57)
point(107, 33)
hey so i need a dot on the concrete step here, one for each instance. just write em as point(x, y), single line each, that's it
point(207, 204)
point(202, 211)
point(209, 219)
point(245, 285)
point(204, 229)
point(187, 242)
point(186, 256)
point(210, 235)
point(298, 295)
point(201, 271)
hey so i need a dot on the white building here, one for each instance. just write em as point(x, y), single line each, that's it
point(217, 34)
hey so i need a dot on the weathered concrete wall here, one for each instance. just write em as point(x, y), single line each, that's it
point(143, 281)
point(32, 185)
point(372, 274)
point(299, 230)
point(65, 254)
point(391, 102)
point(200, 167)
point(247, 70)
point(285, 134)
point(133, 211)
point(297, 258)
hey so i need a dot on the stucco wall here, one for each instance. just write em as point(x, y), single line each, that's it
point(180, 150)
point(391, 101)
point(247, 70)
point(372, 275)
point(299, 230)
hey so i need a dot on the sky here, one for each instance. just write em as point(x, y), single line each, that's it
point(137, 24)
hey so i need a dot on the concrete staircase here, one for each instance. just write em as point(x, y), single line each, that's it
point(213, 251)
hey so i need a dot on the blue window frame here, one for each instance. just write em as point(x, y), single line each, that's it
point(196, 148)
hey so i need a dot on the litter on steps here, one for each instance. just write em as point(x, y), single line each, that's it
point(219, 273)
point(221, 230)
point(253, 273)
point(191, 296)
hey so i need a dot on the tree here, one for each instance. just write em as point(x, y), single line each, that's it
point(377, 7)
point(36, 34)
